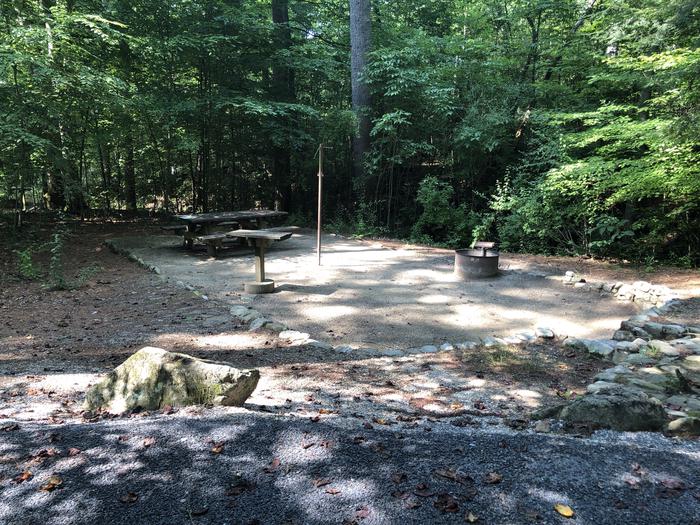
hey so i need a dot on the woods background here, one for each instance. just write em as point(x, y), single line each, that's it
point(553, 126)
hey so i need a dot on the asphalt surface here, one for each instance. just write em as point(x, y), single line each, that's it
point(238, 467)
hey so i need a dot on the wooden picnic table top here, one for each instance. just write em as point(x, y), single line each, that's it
point(268, 235)
point(225, 216)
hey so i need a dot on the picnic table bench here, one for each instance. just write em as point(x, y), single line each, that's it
point(260, 240)
point(203, 224)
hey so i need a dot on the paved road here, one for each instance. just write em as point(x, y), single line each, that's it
point(176, 478)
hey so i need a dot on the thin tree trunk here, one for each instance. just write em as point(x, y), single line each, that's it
point(360, 34)
point(282, 91)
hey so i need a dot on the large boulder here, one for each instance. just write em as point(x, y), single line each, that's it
point(153, 378)
point(618, 408)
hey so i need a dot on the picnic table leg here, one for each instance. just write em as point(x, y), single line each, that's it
point(261, 285)
point(189, 236)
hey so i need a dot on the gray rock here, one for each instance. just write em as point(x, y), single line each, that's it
point(250, 315)
point(641, 333)
point(238, 311)
point(655, 329)
point(258, 324)
point(614, 374)
point(619, 356)
point(318, 344)
point(490, 342)
point(627, 346)
point(344, 349)
point(642, 286)
point(583, 286)
point(639, 360)
point(544, 332)
point(673, 330)
point(623, 335)
point(686, 402)
point(392, 352)
point(598, 348)
point(294, 336)
point(446, 347)
point(661, 348)
point(152, 378)
point(616, 408)
point(275, 327)
point(686, 426)
point(527, 336)
point(575, 344)
point(428, 349)
point(467, 345)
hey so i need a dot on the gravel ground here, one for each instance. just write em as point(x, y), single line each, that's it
point(237, 467)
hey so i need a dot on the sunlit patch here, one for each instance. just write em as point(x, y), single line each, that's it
point(328, 312)
point(526, 394)
point(434, 299)
point(226, 341)
point(475, 382)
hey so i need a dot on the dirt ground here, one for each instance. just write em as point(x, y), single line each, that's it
point(372, 294)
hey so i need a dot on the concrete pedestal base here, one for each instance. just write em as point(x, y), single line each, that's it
point(266, 286)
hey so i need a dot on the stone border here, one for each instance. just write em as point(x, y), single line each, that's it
point(638, 339)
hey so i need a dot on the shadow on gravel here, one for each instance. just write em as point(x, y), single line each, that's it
point(248, 468)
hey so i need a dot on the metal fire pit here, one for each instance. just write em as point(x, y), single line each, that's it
point(478, 262)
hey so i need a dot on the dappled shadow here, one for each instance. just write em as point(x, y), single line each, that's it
point(373, 295)
point(276, 470)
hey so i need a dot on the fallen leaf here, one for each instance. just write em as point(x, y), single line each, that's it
point(74, 451)
point(423, 491)
point(399, 494)
point(218, 448)
point(470, 517)
point(315, 419)
point(446, 503)
point(564, 510)
point(53, 483)
point(492, 478)
point(307, 445)
point(362, 512)
point(321, 482)
point(380, 421)
point(452, 474)
point(399, 477)
point(9, 427)
point(325, 411)
point(149, 441)
point(24, 476)
point(412, 503)
point(332, 491)
point(273, 466)
point(129, 497)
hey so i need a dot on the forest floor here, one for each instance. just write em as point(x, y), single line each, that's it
point(330, 438)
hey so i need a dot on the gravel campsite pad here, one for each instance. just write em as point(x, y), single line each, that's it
point(325, 438)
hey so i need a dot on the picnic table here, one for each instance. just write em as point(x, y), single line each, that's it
point(202, 224)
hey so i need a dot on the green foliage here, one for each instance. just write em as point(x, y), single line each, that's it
point(56, 277)
point(541, 124)
point(26, 267)
point(441, 221)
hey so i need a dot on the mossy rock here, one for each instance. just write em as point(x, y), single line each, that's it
point(153, 378)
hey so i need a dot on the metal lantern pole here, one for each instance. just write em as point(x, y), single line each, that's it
point(320, 190)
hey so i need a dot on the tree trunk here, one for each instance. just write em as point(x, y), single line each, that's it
point(130, 175)
point(282, 91)
point(360, 34)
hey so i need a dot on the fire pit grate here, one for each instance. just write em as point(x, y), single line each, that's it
point(478, 262)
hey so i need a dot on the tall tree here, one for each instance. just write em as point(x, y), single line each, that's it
point(282, 91)
point(360, 38)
